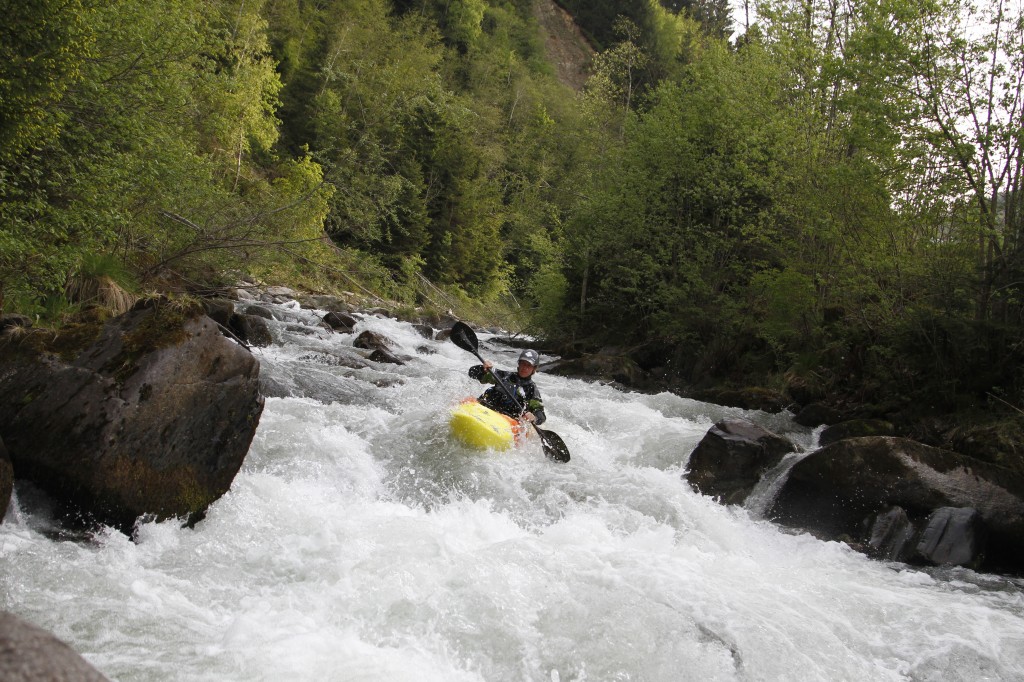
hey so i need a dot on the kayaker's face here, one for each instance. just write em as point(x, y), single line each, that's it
point(525, 369)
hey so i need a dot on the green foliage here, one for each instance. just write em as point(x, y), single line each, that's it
point(838, 193)
point(165, 153)
point(43, 46)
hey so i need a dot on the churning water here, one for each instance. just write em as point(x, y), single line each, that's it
point(358, 542)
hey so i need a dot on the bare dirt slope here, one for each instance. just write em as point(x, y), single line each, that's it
point(567, 48)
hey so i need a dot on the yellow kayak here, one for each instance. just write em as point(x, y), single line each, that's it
point(480, 427)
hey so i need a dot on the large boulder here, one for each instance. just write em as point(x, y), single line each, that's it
point(856, 428)
point(149, 413)
point(751, 398)
point(601, 366)
point(731, 458)
point(838, 490)
point(31, 654)
point(816, 414)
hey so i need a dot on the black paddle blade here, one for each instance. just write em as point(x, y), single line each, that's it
point(554, 446)
point(464, 337)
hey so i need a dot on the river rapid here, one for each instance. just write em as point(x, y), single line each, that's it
point(359, 542)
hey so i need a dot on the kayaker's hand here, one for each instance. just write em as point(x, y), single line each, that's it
point(487, 365)
point(528, 417)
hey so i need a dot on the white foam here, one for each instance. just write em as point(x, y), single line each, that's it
point(360, 543)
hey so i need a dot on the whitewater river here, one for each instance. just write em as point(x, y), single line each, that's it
point(359, 543)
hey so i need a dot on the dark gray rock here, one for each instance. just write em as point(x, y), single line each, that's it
point(752, 398)
point(856, 428)
point(617, 368)
point(816, 414)
point(340, 322)
point(387, 357)
point(951, 536)
point(732, 457)
point(373, 341)
point(31, 654)
point(220, 310)
point(252, 330)
point(834, 490)
point(149, 413)
point(259, 311)
point(891, 535)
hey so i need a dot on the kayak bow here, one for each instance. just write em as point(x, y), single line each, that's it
point(481, 427)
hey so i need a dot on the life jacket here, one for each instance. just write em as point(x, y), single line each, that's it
point(526, 392)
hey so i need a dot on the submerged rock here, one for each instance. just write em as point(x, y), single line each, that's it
point(31, 654)
point(730, 460)
point(150, 413)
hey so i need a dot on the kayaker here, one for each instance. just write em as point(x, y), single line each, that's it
point(520, 381)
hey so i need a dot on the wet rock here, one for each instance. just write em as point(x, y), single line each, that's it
point(816, 414)
point(731, 458)
point(303, 329)
point(31, 654)
point(425, 330)
point(753, 398)
point(386, 356)
point(243, 295)
point(952, 536)
point(835, 489)
point(220, 310)
point(259, 311)
point(856, 428)
point(617, 368)
point(373, 341)
point(891, 535)
point(149, 413)
point(252, 330)
point(340, 322)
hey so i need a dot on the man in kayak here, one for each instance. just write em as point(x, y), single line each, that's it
point(520, 381)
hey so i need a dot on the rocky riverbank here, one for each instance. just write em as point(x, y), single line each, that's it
point(151, 414)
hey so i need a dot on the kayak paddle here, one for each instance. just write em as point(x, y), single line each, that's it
point(464, 337)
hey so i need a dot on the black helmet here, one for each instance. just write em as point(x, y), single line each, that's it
point(529, 356)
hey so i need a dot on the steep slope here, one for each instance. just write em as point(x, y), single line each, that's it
point(566, 47)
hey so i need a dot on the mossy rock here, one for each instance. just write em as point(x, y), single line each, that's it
point(856, 428)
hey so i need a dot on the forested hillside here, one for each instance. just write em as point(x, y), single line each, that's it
point(830, 203)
